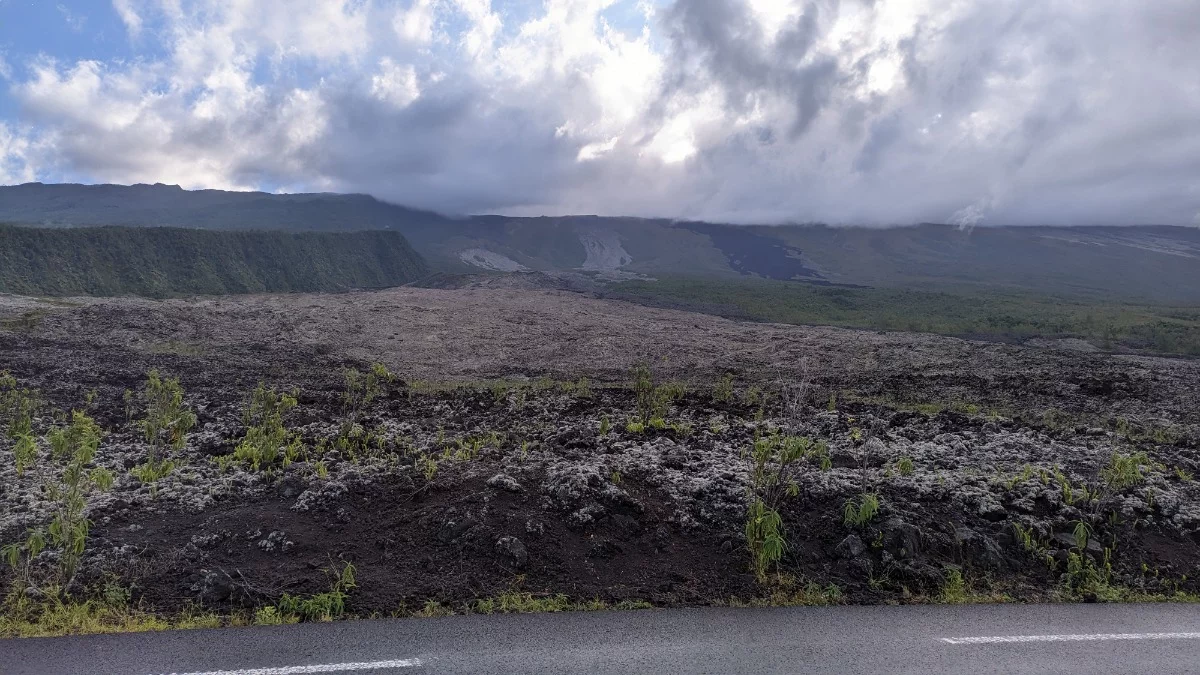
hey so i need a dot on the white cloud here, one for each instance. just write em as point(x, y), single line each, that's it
point(16, 164)
point(129, 16)
point(484, 25)
point(395, 83)
point(595, 150)
point(416, 22)
point(882, 111)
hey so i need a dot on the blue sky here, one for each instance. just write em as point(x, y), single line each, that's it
point(843, 111)
point(69, 31)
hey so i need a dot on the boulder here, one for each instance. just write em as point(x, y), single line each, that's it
point(851, 547)
point(512, 552)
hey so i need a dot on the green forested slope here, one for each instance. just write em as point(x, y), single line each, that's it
point(161, 262)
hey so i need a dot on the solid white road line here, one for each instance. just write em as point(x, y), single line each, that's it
point(1070, 638)
point(319, 668)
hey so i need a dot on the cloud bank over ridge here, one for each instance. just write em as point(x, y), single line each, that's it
point(851, 111)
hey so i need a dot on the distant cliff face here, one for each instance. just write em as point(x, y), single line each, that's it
point(1142, 264)
point(163, 262)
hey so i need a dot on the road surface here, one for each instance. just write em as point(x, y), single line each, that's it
point(843, 640)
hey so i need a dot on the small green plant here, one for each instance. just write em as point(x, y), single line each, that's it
point(268, 616)
point(1183, 474)
point(605, 425)
point(957, 590)
point(682, 429)
point(72, 450)
point(775, 461)
point(499, 389)
point(150, 473)
point(1085, 578)
point(267, 441)
point(17, 407)
point(723, 389)
point(832, 406)
point(1068, 493)
point(616, 477)
point(363, 388)
point(581, 388)
point(1166, 435)
point(635, 427)
point(1081, 533)
point(860, 510)
point(428, 466)
point(652, 401)
point(1025, 537)
point(515, 602)
point(75, 446)
point(904, 466)
point(1126, 470)
point(954, 590)
point(165, 426)
point(167, 418)
point(764, 537)
point(24, 452)
point(1025, 474)
point(322, 606)
point(673, 391)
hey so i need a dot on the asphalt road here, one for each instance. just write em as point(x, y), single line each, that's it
point(928, 640)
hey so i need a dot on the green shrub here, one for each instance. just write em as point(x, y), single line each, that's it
point(723, 389)
point(363, 388)
point(267, 442)
point(1126, 470)
point(652, 401)
point(17, 408)
point(861, 510)
point(150, 473)
point(764, 537)
point(167, 418)
point(72, 450)
point(165, 426)
point(1084, 578)
point(775, 461)
point(954, 590)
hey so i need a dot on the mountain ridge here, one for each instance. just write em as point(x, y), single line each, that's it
point(1148, 263)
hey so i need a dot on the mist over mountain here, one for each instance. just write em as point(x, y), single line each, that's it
point(1157, 264)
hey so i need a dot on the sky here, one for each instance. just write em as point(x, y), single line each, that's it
point(868, 112)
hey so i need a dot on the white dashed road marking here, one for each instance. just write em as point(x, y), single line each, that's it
point(1094, 637)
point(319, 668)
